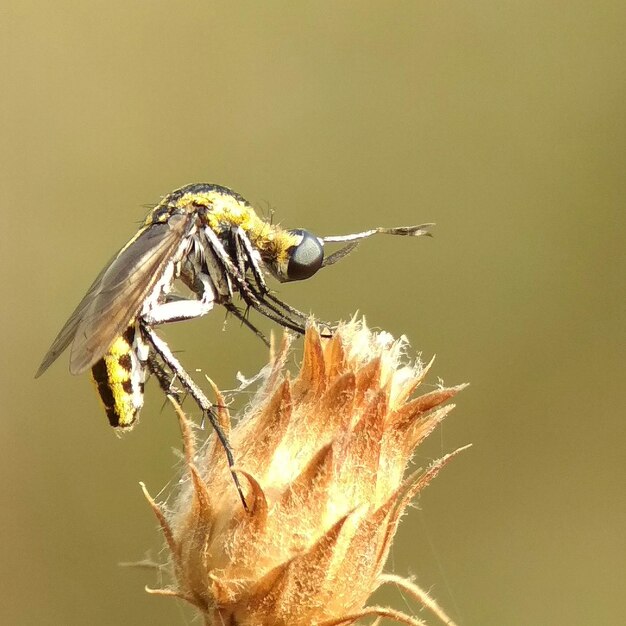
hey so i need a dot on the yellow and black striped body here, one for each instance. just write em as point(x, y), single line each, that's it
point(120, 377)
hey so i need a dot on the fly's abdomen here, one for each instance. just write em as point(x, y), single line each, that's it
point(120, 376)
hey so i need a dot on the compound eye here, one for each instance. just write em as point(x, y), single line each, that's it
point(306, 257)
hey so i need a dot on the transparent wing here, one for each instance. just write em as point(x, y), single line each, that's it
point(66, 334)
point(116, 296)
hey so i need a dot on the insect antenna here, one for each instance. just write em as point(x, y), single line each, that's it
point(353, 239)
point(406, 231)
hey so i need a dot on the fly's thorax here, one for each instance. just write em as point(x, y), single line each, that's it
point(288, 254)
point(217, 206)
point(120, 377)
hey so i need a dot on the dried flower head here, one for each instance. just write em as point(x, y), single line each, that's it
point(322, 461)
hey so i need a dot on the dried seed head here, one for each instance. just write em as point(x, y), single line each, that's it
point(322, 461)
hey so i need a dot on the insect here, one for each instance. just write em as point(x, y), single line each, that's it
point(209, 239)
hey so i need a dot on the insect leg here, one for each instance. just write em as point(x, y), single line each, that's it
point(242, 317)
point(162, 349)
point(245, 252)
point(254, 300)
point(248, 293)
point(290, 309)
point(243, 246)
point(177, 309)
point(164, 379)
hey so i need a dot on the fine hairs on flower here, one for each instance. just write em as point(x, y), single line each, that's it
point(322, 459)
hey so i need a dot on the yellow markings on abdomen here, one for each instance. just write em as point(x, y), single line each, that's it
point(119, 377)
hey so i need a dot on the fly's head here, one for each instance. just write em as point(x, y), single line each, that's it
point(297, 255)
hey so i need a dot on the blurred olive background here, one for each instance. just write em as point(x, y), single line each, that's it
point(504, 122)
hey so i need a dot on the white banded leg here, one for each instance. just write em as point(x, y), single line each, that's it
point(166, 355)
point(250, 295)
point(246, 252)
point(178, 309)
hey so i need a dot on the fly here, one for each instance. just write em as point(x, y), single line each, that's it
point(210, 239)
